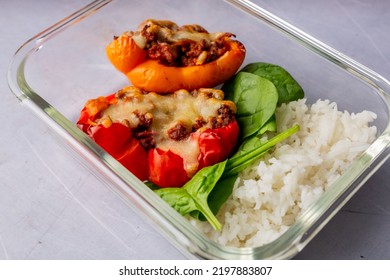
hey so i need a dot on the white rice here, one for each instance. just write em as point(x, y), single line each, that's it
point(269, 195)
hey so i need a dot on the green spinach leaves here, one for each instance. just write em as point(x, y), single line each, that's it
point(288, 88)
point(192, 197)
point(257, 90)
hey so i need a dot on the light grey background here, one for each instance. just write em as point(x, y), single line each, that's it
point(45, 214)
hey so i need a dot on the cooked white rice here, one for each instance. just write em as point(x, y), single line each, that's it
point(269, 195)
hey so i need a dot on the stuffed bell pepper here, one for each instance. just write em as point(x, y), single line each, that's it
point(163, 57)
point(164, 139)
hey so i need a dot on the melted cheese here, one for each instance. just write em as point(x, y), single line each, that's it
point(167, 111)
point(194, 36)
point(168, 31)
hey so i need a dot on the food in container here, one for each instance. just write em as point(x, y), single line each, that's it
point(54, 94)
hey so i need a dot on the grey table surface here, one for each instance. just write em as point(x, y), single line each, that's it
point(42, 218)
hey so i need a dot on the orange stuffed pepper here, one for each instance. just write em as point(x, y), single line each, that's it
point(163, 57)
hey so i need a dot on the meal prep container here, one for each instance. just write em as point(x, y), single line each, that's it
point(54, 73)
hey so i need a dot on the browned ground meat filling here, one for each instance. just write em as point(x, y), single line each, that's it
point(146, 139)
point(179, 132)
point(187, 45)
point(225, 116)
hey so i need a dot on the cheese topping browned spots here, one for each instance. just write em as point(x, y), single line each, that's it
point(175, 45)
point(168, 121)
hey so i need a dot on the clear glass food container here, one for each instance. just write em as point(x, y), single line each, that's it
point(55, 72)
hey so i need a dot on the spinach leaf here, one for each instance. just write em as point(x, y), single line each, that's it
point(221, 192)
point(192, 197)
point(179, 199)
point(218, 196)
point(151, 185)
point(256, 99)
point(269, 126)
point(244, 157)
point(288, 88)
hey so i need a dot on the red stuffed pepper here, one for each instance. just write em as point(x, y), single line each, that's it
point(164, 139)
